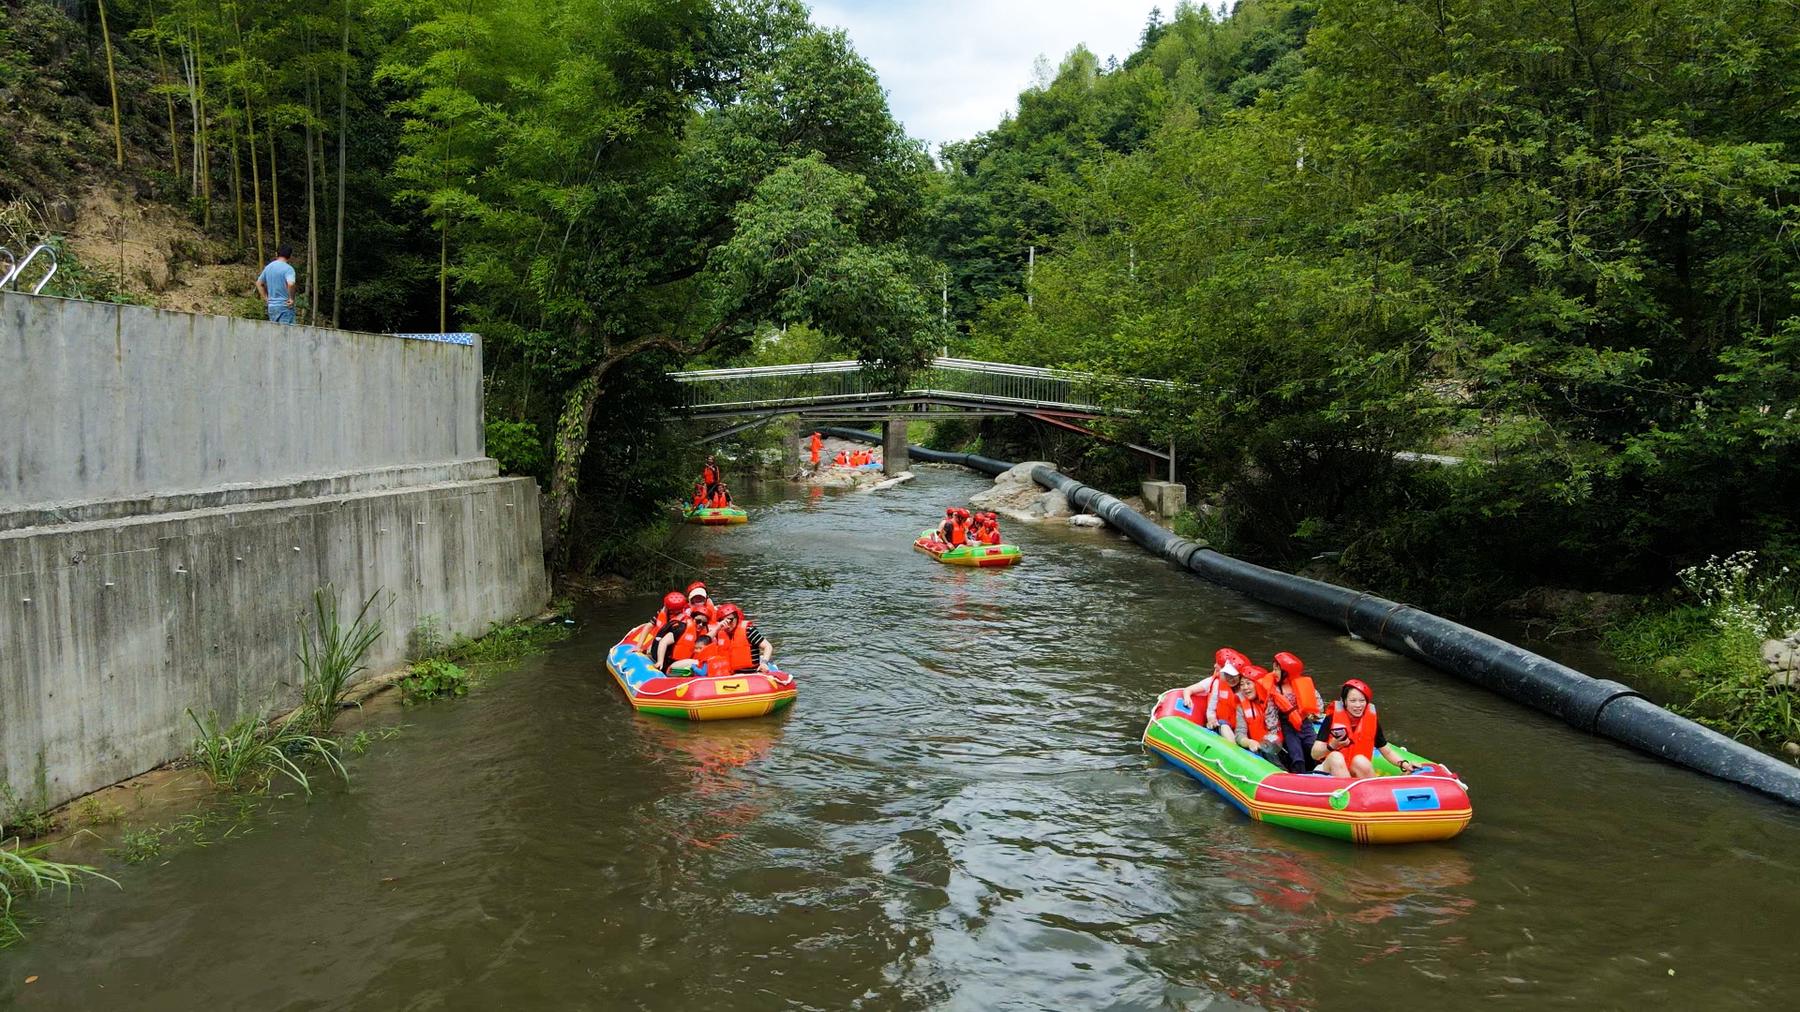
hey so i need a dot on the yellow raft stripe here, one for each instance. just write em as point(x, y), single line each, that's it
point(694, 705)
point(1261, 808)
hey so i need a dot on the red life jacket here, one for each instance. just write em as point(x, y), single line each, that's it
point(1224, 704)
point(989, 535)
point(684, 644)
point(959, 533)
point(1306, 701)
point(1255, 709)
point(709, 474)
point(715, 657)
point(1362, 732)
point(737, 647)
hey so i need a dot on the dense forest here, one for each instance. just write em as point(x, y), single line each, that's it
point(1555, 241)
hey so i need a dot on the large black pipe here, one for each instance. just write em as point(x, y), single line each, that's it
point(1596, 705)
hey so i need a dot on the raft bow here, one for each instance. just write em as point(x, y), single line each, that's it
point(1430, 803)
point(689, 697)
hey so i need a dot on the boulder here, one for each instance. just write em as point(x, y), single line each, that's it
point(1015, 495)
point(1778, 656)
point(1086, 520)
point(1052, 505)
point(1792, 748)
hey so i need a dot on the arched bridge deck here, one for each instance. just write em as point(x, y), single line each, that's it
point(948, 388)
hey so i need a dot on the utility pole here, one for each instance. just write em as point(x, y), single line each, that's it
point(1030, 269)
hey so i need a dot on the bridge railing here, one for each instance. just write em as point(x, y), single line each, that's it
point(761, 386)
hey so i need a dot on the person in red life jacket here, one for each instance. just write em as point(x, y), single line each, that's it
point(712, 657)
point(1350, 734)
point(670, 625)
point(746, 647)
point(1200, 695)
point(987, 529)
point(699, 495)
point(1257, 727)
point(1296, 700)
point(721, 497)
point(842, 459)
point(700, 603)
point(816, 445)
point(709, 476)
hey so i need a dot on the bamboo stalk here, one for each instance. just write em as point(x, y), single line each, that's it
point(162, 74)
point(337, 283)
point(112, 85)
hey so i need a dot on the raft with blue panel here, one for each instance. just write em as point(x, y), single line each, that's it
point(1430, 803)
point(694, 697)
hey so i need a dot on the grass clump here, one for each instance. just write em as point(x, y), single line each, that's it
point(25, 872)
point(248, 755)
point(330, 655)
point(19, 817)
point(139, 845)
point(436, 678)
point(1708, 647)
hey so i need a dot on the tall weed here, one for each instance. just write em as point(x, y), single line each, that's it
point(331, 654)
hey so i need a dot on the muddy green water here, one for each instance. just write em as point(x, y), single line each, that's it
point(957, 813)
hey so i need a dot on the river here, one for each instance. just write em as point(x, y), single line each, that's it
point(956, 813)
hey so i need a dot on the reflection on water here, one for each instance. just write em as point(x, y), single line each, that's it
point(956, 813)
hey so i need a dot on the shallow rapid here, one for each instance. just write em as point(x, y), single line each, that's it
point(956, 813)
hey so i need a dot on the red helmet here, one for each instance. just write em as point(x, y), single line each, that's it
point(1360, 686)
point(1290, 665)
point(1235, 658)
point(675, 602)
point(698, 586)
point(730, 611)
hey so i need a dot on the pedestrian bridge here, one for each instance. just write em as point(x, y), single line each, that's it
point(849, 392)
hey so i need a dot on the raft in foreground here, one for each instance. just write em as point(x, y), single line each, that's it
point(750, 694)
point(977, 556)
point(1391, 807)
point(715, 516)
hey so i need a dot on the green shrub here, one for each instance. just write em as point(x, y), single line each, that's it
point(139, 845)
point(19, 817)
point(518, 447)
point(433, 679)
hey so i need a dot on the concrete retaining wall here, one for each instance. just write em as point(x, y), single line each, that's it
point(103, 402)
point(110, 630)
point(174, 487)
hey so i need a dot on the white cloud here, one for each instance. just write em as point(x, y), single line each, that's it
point(955, 69)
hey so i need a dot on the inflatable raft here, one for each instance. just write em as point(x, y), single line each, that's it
point(1391, 807)
point(688, 697)
point(715, 516)
point(978, 556)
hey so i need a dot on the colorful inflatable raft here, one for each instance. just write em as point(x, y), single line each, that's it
point(715, 516)
point(978, 556)
point(751, 694)
point(1391, 807)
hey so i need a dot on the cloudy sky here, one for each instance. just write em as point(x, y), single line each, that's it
point(953, 68)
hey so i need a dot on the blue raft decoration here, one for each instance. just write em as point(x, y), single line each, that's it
point(466, 339)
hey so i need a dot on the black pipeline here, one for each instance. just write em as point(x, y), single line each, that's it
point(1596, 705)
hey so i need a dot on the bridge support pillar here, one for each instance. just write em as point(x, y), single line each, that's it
point(893, 447)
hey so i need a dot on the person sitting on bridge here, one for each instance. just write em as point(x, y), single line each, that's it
point(746, 647)
point(1350, 734)
point(1295, 698)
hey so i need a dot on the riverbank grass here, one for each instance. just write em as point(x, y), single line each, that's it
point(248, 755)
point(24, 872)
point(1708, 646)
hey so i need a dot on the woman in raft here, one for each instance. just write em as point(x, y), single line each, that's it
point(1350, 734)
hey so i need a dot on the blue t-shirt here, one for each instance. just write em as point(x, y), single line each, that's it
point(278, 278)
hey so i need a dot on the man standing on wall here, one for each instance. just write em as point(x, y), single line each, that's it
point(276, 285)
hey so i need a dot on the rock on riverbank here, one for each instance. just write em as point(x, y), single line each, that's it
point(1017, 497)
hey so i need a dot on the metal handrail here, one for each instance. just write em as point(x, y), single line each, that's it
point(19, 268)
